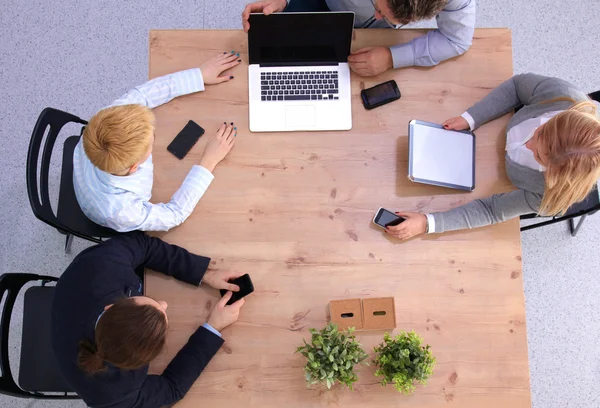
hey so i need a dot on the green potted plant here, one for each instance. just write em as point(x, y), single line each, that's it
point(403, 361)
point(331, 356)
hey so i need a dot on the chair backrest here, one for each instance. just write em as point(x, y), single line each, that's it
point(39, 196)
point(10, 285)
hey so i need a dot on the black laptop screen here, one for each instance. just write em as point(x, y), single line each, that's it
point(300, 38)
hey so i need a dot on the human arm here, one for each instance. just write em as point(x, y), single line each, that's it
point(477, 213)
point(523, 89)
point(137, 249)
point(454, 35)
point(188, 364)
point(161, 90)
point(139, 214)
point(490, 210)
point(181, 373)
point(146, 216)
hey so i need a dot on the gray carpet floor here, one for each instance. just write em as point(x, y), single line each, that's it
point(78, 56)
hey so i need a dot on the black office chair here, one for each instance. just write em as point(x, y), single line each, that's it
point(589, 206)
point(38, 371)
point(69, 218)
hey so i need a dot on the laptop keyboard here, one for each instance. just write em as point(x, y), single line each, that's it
point(299, 86)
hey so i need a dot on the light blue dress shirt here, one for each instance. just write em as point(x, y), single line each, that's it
point(122, 202)
point(456, 25)
point(212, 329)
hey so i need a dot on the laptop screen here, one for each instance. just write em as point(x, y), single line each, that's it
point(286, 39)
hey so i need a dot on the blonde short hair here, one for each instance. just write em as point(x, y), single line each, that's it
point(572, 140)
point(118, 137)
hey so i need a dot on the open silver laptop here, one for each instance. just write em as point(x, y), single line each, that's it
point(298, 76)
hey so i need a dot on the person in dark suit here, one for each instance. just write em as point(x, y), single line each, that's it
point(105, 332)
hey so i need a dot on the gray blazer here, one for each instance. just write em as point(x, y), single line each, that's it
point(530, 90)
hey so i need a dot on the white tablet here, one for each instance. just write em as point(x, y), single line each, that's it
point(441, 157)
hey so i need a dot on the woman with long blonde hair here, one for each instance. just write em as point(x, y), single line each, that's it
point(552, 154)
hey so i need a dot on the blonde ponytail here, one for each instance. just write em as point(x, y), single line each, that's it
point(572, 142)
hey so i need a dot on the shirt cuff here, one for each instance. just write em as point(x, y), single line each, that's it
point(467, 116)
point(403, 55)
point(199, 178)
point(212, 329)
point(196, 80)
point(430, 223)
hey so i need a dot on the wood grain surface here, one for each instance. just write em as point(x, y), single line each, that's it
point(294, 211)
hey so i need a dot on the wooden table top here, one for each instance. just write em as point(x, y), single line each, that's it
point(294, 211)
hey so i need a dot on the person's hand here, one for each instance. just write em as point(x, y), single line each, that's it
point(212, 69)
point(220, 279)
point(223, 315)
point(266, 6)
point(371, 61)
point(413, 225)
point(218, 146)
point(457, 123)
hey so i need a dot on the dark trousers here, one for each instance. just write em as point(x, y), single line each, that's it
point(307, 5)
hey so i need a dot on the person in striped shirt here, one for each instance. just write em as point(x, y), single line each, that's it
point(112, 163)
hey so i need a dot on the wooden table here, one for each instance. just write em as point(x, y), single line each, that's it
point(294, 211)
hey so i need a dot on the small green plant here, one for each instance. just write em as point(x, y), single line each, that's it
point(402, 361)
point(331, 356)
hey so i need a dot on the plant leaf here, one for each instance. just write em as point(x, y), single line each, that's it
point(331, 356)
point(403, 361)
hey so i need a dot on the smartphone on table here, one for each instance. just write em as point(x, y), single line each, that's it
point(186, 139)
point(246, 287)
point(380, 94)
point(385, 218)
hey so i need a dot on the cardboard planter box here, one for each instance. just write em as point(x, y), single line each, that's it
point(364, 314)
point(379, 313)
point(346, 313)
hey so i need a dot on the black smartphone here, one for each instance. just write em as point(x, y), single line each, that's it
point(246, 287)
point(186, 139)
point(385, 218)
point(380, 94)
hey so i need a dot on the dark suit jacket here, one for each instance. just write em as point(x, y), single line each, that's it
point(96, 278)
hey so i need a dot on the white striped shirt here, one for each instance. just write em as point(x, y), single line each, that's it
point(122, 202)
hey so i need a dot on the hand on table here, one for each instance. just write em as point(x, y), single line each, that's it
point(457, 123)
point(218, 146)
point(413, 225)
point(223, 315)
point(266, 6)
point(220, 279)
point(212, 68)
point(371, 61)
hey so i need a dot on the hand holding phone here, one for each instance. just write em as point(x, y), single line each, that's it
point(246, 287)
point(224, 314)
point(384, 218)
point(413, 224)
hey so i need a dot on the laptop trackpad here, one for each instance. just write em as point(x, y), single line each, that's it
point(300, 117)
